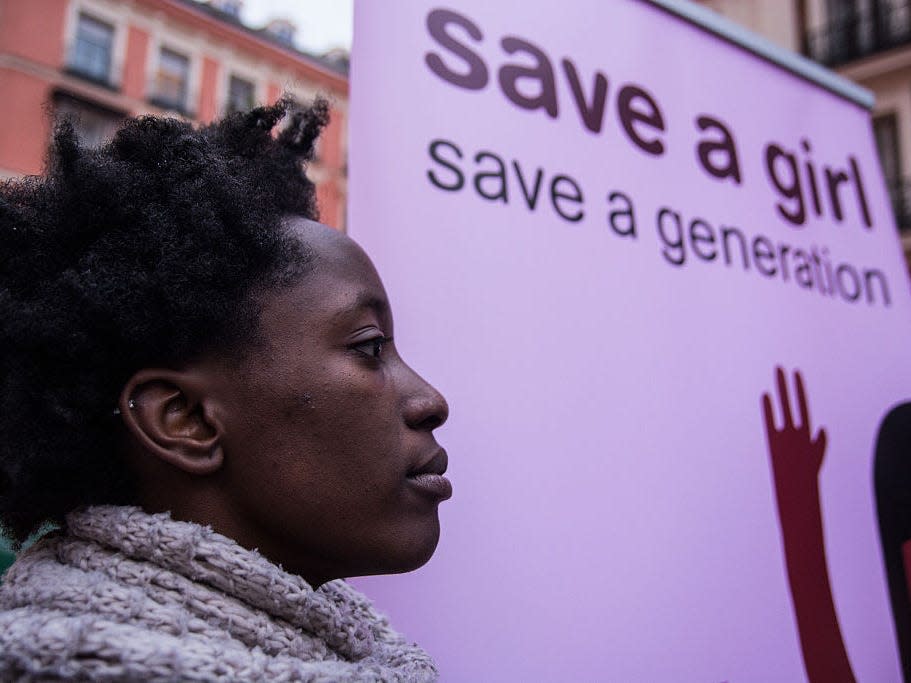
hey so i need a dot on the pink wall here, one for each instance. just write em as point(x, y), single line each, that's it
point(273, 91)
point(134, 68)
point(22, 147)
point(35, 35)
point(208, 91)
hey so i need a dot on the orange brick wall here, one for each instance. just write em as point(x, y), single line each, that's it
point(134, 68)
point(273, 92)
point(208, 106)
point(33, 30)
point(25, 129)
point(32, 42)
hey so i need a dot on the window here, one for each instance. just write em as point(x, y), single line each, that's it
point(885, 129)
point(230, 7)
point(171, 81)
point(95, 125)
point(282, 30)
point(91, 55)
point(240, 94)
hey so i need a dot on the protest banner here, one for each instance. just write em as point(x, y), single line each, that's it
point(603, 226)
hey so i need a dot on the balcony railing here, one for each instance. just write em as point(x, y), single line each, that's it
point(900, 194)
point(859, 33)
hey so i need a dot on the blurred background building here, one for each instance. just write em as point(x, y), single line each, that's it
point(867, 41)
point(103, 60)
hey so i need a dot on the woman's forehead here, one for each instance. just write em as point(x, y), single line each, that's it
point(342, 276)
point(327, 244)
point(315, 234)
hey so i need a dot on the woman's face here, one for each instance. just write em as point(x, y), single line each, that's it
point(328, 437)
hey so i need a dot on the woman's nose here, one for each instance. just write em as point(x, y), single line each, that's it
point(425, 407)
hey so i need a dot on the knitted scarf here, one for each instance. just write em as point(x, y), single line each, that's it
point(123, 595)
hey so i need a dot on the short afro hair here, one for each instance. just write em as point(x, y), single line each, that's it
point(149, 250)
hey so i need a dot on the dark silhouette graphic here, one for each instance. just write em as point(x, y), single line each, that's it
point(892, 479)
point(796, 458)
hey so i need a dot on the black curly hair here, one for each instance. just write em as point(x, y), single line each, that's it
point(150, 250)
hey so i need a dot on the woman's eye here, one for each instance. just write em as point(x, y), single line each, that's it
point(372, 347)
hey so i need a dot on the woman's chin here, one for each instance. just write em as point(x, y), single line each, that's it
point(411, 551)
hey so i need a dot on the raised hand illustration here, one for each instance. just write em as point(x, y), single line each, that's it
point(796, 457)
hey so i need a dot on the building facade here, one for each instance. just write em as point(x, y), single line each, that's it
point(866, 41)
point(103, 60)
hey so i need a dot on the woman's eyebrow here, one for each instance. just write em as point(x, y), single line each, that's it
point(366, 300)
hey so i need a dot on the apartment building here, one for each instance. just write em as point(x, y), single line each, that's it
point(868, 42)
point(103, 60)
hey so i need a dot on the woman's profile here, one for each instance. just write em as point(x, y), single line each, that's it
point(200, 388)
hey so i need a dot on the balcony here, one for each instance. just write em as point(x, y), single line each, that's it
point(859, 33)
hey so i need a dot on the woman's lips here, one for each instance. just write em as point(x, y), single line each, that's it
point(432, 485)
point(428, 477)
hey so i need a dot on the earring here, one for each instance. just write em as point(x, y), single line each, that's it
point(131, 404)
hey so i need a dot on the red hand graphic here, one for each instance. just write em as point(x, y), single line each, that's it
point(796, 458)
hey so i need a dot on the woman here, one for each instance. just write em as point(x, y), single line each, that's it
point(200, 386)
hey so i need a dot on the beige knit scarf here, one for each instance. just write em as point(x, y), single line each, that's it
point(127, 596)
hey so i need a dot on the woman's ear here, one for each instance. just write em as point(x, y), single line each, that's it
point(166, 412)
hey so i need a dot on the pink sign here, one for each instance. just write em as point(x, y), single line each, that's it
point(602, 229)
